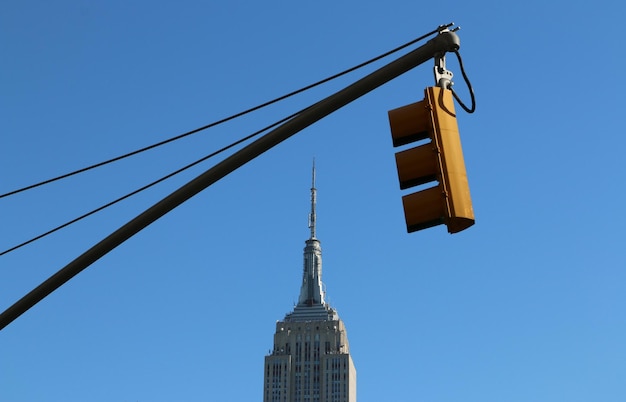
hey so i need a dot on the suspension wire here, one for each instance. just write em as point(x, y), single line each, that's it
point(75, 220)
point(226, 119)
point(469, 87)
point(147, 186)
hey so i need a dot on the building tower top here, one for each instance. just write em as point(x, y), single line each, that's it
point(311, 304)
point(310, 360)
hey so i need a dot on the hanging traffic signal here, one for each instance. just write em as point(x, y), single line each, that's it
point(440, 159)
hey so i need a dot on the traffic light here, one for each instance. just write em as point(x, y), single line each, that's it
point(440, 159)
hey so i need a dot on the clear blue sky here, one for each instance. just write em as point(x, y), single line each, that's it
point(527, 305)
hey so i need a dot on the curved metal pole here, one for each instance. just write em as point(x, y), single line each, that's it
point(444, 42)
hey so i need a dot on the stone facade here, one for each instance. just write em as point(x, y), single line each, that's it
point(310, 362)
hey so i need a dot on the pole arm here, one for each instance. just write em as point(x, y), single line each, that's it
point(444, 42)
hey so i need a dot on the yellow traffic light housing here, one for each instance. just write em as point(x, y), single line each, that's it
point(440, 159)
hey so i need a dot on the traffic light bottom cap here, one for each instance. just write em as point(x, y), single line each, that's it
point(427, 208)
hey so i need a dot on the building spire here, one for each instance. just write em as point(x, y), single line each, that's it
point(312, 290)
point(313, 203)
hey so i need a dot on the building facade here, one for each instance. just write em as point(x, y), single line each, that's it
point(310, 360)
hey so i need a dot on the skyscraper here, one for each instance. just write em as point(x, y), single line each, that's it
point(310, 361)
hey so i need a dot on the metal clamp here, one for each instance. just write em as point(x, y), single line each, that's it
point(443, 76)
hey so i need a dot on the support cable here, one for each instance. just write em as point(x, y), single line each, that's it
point(147, 186)
point(447, 41)
point(226, 119)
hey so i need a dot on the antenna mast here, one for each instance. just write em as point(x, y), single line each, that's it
point(313, 203)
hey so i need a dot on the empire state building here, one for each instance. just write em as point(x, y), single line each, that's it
point(310, 361)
